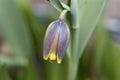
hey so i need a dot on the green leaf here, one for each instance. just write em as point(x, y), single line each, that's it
point(14, 28)
point(59, 5)
point(89, 16)
point(84, 19)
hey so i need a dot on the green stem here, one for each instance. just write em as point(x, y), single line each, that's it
point(72, 70)
point(62, 15)
point(75, 33)
point(75, 14)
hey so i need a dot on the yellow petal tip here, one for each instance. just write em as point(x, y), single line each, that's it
point(52, 56)
point(59, 61)
point(45, 58)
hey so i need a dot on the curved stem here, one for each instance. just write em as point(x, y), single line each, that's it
point(62, 15)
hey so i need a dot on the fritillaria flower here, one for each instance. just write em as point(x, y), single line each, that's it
point(56, 41)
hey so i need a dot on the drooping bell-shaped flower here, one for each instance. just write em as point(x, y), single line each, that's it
point(56, 41)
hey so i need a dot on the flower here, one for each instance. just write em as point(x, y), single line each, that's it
point(56, 41)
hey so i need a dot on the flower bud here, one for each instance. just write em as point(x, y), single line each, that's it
point(56, 41)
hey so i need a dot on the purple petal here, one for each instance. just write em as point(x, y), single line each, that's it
point(63, 41)
point(50, 36)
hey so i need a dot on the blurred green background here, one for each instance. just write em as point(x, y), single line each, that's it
point(22, 28)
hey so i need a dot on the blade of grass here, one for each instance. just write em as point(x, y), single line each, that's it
point(90, 13)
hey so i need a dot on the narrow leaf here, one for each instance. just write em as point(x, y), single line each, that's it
point(90, 13)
